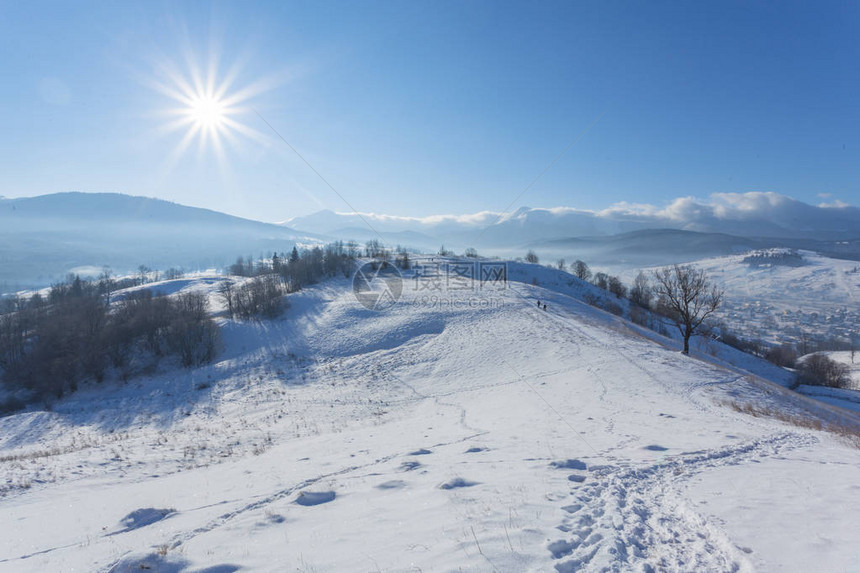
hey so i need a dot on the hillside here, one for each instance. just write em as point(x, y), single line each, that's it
point(649, 247)
point(457, 430)
point(44, 238)
point(780, 303)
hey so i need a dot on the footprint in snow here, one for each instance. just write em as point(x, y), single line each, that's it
point(165, 564)
point(409, 466)
point(309, 498)
point(457, 483)
point(475, 450)
point(142, 517)
point(561, 548)
point(421, 452)
point(655, 448)
point(576, 478)
point(569, 465)
point(393, 484)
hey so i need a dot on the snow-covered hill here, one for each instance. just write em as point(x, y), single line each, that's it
point(779, 303)
point(461, 429)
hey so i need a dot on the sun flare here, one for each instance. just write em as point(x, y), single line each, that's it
point(208, 109)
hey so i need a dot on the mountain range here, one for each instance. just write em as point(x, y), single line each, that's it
point(754, 214)
point(43, 238)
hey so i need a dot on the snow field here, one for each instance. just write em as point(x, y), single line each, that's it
point(447, 438)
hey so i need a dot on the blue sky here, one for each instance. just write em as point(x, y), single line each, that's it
point(417, 108)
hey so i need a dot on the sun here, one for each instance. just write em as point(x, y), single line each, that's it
point(207, 112)
point(207, 107)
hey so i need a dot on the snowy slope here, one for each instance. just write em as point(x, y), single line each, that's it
point(852, 361)
point(849, 397)
point(820, 284)
point(470, 432)
point(780, 303)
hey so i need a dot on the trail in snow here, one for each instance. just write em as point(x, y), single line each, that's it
point(631, 517)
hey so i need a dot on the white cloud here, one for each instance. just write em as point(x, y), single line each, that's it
point(752, 213)
point(835, 204)
point(473, 219)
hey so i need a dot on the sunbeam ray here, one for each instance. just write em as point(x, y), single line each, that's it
point(209, 112)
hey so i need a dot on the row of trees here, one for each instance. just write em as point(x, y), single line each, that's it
point(284, 273)
point(301, 266)
point(775, 257)
point(48, 345)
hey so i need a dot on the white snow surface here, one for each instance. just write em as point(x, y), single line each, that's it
point(852, 361)
point(777, 303)
point(471, 433)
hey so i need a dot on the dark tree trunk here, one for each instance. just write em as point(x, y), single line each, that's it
point(688, 332)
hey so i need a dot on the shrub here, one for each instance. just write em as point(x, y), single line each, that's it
point(195, 342)
point(640, 316)
point(613, 307)
point(783, 355)
point(617, 287)
point(819, 370)
point(261, 296)
point(49, 347)
point(607, 305)
point(754, 347)
point(640, 293)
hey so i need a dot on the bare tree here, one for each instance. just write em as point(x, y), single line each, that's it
point(562, 265)
point(640, 294)
point(225, 289)
point(143, 273)
point(617, 287)
point(531, 257)
point(690, 296)
point(581, 270)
